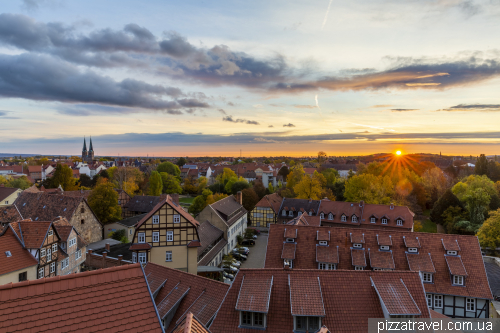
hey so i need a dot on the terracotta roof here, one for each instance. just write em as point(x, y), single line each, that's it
point(455, 265)
point(203, 298)
point(172, 299)
point(78, 194)
point(288, 251)
point(357, 237)
point(19, 257)
point(290, 233)
point(140, 246)
point(63, 228)
point(411, 241)
point(323, 235)
point(6, 191)
point(190, 324)
point(229, 209)
point(420, 262)
point(384, 240)
point(381, 259)
point(435, 314)
point(358, 257)
point(476, 284)
point(395, 296)
point(33, 233)
point(305, 296)
point(305, 219)
point(346, 308)
point(100, 294)
point(168, 200)
point(32, 189)
point(327, 254)
point(255, 294)
point(208, 234)
point(450, 244)
point(34, 168)
point(194, 243)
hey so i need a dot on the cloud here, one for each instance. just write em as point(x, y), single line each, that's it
point(277, 105)
point(249, 122)
point(231, 104)
point(289, 125)
point(42, 78)
point(304, 106)
point(403, 110)
point(222, 111)
point(5, 115)
point(382, 106)
point(473, 108)
point(270, 126)
point(326, 14)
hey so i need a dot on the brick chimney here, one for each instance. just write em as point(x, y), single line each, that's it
point(120, 257)
point(175, 198)
point(107, 247)
point(361, 203)
point(104, 255)
point(391, 206)
point(239, 197)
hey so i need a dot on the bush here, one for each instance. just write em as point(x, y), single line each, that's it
point(239, 239)
point(120, 235)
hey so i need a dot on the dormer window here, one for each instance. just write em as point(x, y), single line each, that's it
point(322, 216)
point(427, 277)
point(288, 262)
point(357, 245)
point(290, 240)
point(299, 213)
point(384, 247)
point(399, 222)
point(330, 216)
point(354, 219)
point(358, 268)
point(156, 219)
point(412, 249)
point(290, 213)
point(451, 253)
point(328, 267)
point(343, 218)
point(310, 213)
point(384, 221)
point(372, 220)
point(323, 243)
point(283, 212)
point(252, 319)
point(307, 324)
point(458, 280)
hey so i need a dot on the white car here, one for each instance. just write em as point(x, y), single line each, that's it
point(254, 236)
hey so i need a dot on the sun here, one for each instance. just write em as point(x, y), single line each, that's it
point(398, 152)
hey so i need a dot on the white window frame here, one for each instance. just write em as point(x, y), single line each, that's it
point(156, 236)
point(290, 213)
point(384, 247)
point(41, 272)
point(399, 222)
point(270, 215)
point(72, 242)
point(78, 254)
point(357, 245)
point(322, 216)
point(299, 213)
point(289, 261)
point(170, 236)
point(326, 266)
point(428, 297)
point(427, 277)
point(134, 257)
point(470, 304)
point(343, 218)
point(49, 254)
point(438, 301)
point(330, 216)
point(310, 213)
point(252, 318)
point(168, 256)
point(384, 221)
point(323, 243)
point(42, 253)
point(141, 237)
point(354, 219)
point(53, 267)
point(359, 268)
point(451, 253)
point(177, 218)
point(373, 220)
point(156, 219)
point(142, 257)
point(458, 280)
point(54, 248)
point(130, 232)
point(290, 240)
point(283, 212)
point(412, 249)
point(50, 233)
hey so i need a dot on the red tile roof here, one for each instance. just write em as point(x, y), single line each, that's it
point(255, 294)
point(420, 262)
point(411, 241)
point(140, 246)
point(172, 299)
point(203, 298)
point(290, 233)
point(288, 251)
point(395, 296)
point(358, 257)
point(305, 296)
point(323, 235)
point(455, 265)
point(19, 257)
point(349, 298)
point(476, 284)
point(327, 254)
point(381, 259)
point(450, 245)
point(435, 314)
point(357, 237)
point(305, 219)
point(32, 233)
point(384, 240)
point(190, 324)
point(92, 301)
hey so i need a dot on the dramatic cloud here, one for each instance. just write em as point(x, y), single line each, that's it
point(289, 125)
point(249, 122)
point(43, 78)
point(403, 110)
point(474, 108)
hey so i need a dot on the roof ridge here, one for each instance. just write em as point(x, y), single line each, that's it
point(66, 277)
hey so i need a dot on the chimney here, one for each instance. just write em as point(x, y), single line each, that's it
point(361, 203)
point(89, 251)
point(175, 198)
point(163, 197)
point(104, 255)
point(120, 257)
point(392, 206)
point(107, 247)
point(239, 197)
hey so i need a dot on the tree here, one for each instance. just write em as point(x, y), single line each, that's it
point(259, 189)
point(190, 186)
point(155, 184)
point(120, 235)
point(494, 171)
point(225, 176)
point(169, 168)
point(240, 185)
point(170, 183)
point(369, 188)
point(489, 233)
point(448, 199)
point(85, 180)
point(481, 166)
point(200, 202)
point(475, 192)
point(321, 157)
point(181, 161)
point(249, 198)
point(270, 187)
point(284, 172)
point(21, 183)
point(64, 176)
point(310, 187)
point(201, 184)
point(434, 178)
point(331, 176)
point(104, 202)
point(295, 176)
point(453, 217)
point(215, 197)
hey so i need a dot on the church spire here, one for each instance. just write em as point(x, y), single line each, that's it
point(91, 148)
point(84, 144)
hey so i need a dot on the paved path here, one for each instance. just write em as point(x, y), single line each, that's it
point(257, 254)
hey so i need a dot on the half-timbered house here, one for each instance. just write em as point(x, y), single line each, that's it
point(451, 266)
point(266, 211)
point(168, 236)
point(72, 247)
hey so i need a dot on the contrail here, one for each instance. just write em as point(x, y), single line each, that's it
point(317, 105)
point(326, 15)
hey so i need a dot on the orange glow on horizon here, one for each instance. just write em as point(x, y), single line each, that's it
point(398, 152)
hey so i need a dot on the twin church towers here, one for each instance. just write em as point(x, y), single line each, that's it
point(87, 156)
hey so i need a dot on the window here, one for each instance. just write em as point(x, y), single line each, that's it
point(288, 262)
point(119, 202)
point(384, 221)
point(6, 202)
point(306, 324)
point(177, 218)
point(358, 245)
point(130, 232)
point(156, 237)
point(283, 212)
point(156, 219)
point(54, 248)
point(51, 232)
point(452, 253)
point(354, 218)
point(82, 221)
point(53, 267)
point(49, 254)
point(64, 263)
point(358, 268)
point(399, 222)
point(412, 249)
point(384, 247)
point(141, 237)
point(142, 257)
point(323, 243)
point(168, 256)
point(134, 257)
point(290, 213)
point(299, 213)
point(23, 276)
point(438, 301)
point(458, 280)
point(343, 218)
point(290, 240)
point(42, 253)
point(372, 220)
point(40, 273)
point(470, 304)
point(429, 300)
point(325, 266)
point(330, 216)
point(322, 216)
point(270, 216)
point(82, 210)
point(78, 254)
point(310, 213)
point(252, 319)
point(427, 277)
point(72, 242)
point(170, 236)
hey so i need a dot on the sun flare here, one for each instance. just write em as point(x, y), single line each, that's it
point(398, 152)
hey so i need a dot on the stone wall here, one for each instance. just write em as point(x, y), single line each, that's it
point(86, 223)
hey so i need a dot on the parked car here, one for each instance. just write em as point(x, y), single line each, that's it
point(243, 257)
point(248, 242)
point(236, 263)
point(230, 269)
point(240, 256)
point(255, 231)
point(228, 276)
point(242, 250)
point(254, 236)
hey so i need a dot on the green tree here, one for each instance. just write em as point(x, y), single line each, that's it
point(201, 184)
point(85, 180)
point(452, 216)
point(200, 202)
point(120, 235)
point(155, 184)
point(331, 176)
point(169, 168)
point(181, 161)
point(481, 166)
point(369, 188)
point(284, 172)
point(240, 185)
point(104, 202)
point(21, 182)
point(475, 192)
point(489, 233)
point(225, 176)
point(310, 187)
point(448, 199)
point(63, 175)
point(249, 198)
point(170, 183)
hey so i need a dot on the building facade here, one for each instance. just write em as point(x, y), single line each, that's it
point(266, 211)
point(8, 195)
point(16, 263)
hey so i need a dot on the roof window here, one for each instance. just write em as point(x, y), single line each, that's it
point(8, 254)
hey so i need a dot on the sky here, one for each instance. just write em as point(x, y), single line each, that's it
point(269, 78)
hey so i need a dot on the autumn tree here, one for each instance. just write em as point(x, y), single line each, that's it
point(475, 192)
point(63, 175)
point(259, 189)
point(249, 198)
point(190, 186)
point(369, 188)
point(310, 187)
point(322, 157)
point(155, 184)
point(104, 202)
point(21, 183)
point(170, 183)
point(489, 233)
point(481, 167)
point(169, 168)
point(295, 176)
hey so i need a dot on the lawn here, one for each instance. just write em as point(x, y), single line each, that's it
point(188, 200)
point(428, 225)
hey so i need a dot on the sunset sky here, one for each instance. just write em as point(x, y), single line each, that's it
point(197, 78)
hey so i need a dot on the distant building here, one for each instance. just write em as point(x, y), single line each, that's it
point(87, 156)
point(8, 195)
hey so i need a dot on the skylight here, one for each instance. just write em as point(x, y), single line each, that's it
point(8, 254)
